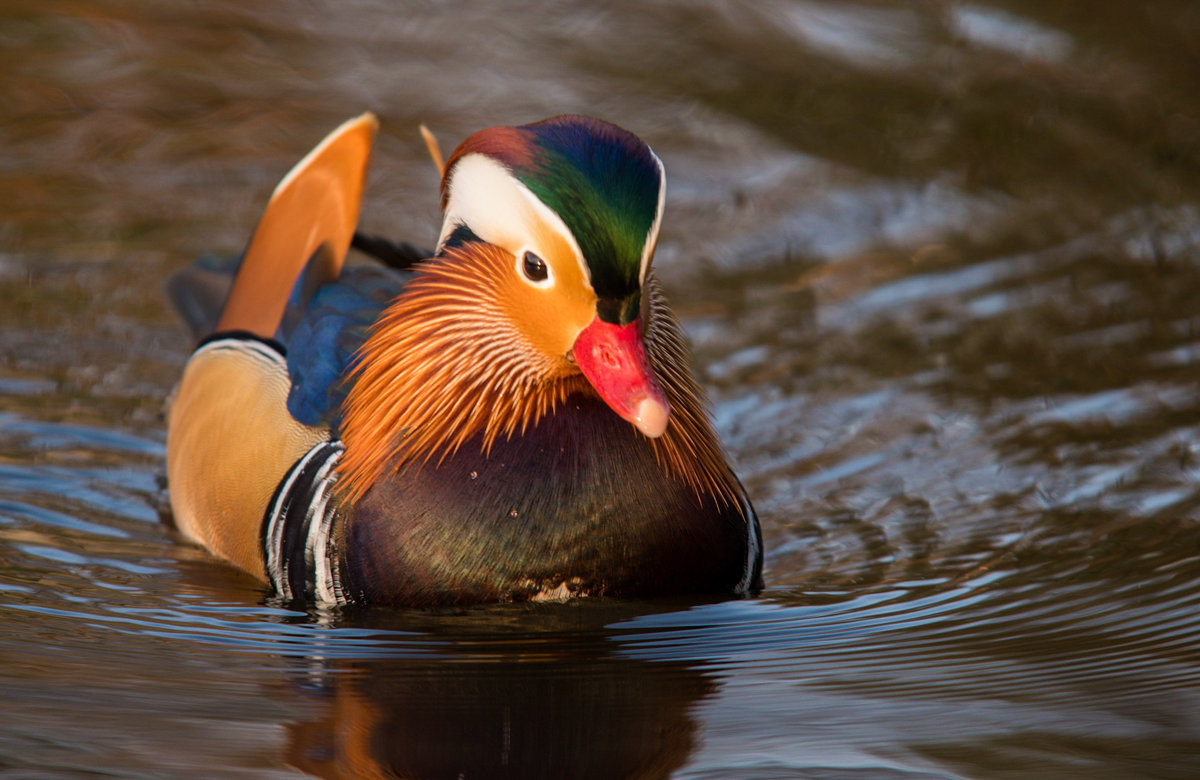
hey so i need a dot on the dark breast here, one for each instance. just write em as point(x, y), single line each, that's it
point(577, 502)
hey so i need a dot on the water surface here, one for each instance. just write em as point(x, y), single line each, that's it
point(940, 267)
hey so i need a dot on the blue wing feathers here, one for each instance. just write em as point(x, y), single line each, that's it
point(321, 347)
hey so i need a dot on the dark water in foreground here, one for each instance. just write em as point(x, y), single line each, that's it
point(940, 264)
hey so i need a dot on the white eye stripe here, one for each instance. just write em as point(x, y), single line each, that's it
point(486, 198)
point(652, 233)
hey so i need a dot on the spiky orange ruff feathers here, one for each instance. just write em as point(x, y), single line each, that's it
point(445, 363)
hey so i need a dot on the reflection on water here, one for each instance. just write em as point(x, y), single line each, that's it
point(939, 265)
point(497, 703)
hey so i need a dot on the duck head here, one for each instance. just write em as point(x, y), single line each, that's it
point(575, 204)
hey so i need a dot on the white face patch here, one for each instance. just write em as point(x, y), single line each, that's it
point(488, 199)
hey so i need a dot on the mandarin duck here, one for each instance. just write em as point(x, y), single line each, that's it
point(509, 417)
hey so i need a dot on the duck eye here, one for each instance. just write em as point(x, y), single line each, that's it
point(534, 268)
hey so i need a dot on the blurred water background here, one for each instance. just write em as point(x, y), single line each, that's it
point(940, 266)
